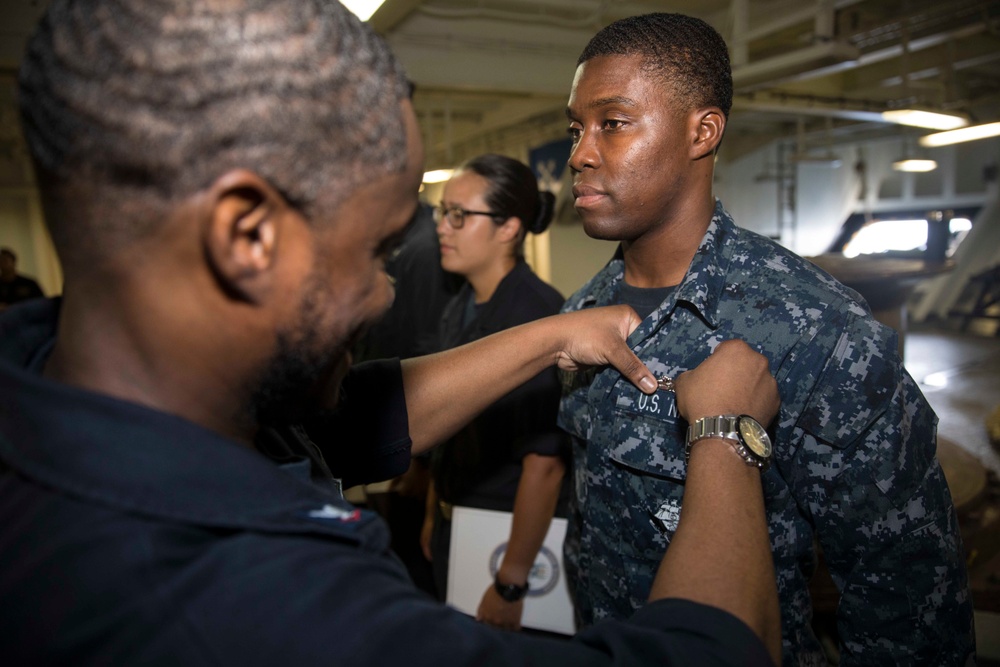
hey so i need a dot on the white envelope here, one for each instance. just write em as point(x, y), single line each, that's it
point(478, 541)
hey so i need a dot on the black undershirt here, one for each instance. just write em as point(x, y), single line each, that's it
point(643, 300)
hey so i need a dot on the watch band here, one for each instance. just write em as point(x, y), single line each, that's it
point(510, 592)
point(722, 426)
point(727, 428)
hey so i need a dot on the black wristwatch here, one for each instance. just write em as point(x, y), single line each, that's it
point(510, 592)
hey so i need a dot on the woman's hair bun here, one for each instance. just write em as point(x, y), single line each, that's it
point(546, 211)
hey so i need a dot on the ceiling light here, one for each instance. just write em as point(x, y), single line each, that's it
point(913, 164)
point(936, 380)
point(438, 175)
point(932, 120)
point(964, 134)
point(363, 9)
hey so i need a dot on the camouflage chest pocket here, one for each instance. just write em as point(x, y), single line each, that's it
point(648, 435)
point(646, 457)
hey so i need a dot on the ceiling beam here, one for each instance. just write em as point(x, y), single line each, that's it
point(391, 14)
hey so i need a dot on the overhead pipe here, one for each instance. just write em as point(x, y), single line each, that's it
point(823, 56)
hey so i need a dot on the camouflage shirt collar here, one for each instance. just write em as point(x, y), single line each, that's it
point(704, 281)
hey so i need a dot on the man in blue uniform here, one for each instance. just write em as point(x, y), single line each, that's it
point(260, 157)
point(854, 442)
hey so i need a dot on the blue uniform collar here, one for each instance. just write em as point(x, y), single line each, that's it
point(139, 460)
point(703, 284)
point(705, 279)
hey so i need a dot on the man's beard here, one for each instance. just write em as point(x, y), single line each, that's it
point(290, 387)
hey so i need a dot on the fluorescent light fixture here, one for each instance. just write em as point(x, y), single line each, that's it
point(438, 175)
point(913, 164)
point(931, 120)
point(972, 133)
point(363, 9)
point(936, 380)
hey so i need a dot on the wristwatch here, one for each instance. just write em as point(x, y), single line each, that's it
point(743, 432)
point(510, 592)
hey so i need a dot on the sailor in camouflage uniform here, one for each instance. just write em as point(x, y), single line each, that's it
point(855, 464)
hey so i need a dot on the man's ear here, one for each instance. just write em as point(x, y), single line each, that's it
point(709, 124)
point(241, 233)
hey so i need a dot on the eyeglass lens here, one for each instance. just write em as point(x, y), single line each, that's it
point(455, 216)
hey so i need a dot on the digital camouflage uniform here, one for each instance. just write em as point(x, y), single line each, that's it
point(854, 463)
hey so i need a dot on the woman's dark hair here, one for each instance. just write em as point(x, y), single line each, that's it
point(513, 191)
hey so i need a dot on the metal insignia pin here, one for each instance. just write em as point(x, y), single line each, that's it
point(665, 383)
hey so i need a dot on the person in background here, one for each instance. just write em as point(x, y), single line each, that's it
point(262, 158)
point(423, 289)
point(409, 329)
point(13, 286)
point(854, 447)
point(512, 457)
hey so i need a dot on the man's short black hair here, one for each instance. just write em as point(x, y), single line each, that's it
point(689, 53)
point(129, 106)
point(7, 252)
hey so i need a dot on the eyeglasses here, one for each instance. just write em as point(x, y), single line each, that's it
point(455, 215)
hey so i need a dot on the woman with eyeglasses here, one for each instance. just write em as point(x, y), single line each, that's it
point(513, 457)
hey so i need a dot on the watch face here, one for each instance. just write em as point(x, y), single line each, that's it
point(755, 437)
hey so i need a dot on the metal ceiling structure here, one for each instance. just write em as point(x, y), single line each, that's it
point(495, 74)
